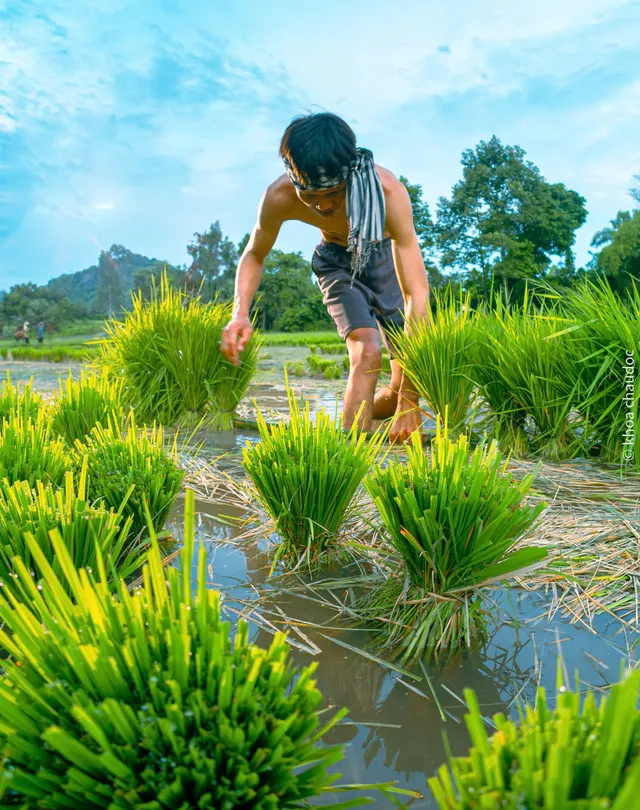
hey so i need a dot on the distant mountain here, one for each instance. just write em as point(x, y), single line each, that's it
point(81, 287)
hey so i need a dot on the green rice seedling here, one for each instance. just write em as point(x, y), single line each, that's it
point(19, 399)
point(318, 364)
point(453, 522)
point(81, 405)
point(332, 372)
point(329, 348)
point(167, 352)
point(297, 369)
point(438, 356)
point(147, 700)
point(572, 757)
point(533, 357)
point(85, 530)
point(29, 451)
point(604, 358)
point(507, 417)
point(301, 338)
point(55, 354)
point(346, 363)
point(138, 459)
point(306, 475)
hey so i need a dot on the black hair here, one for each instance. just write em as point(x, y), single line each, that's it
point(318, 139)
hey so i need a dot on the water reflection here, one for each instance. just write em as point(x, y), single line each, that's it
point(393, 733)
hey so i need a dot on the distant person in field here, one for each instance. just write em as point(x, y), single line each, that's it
point(40, 331)
point(368, 265)
point(25, 331)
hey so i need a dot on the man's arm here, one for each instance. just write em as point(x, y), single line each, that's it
point(412, 277)
point(407, 256)
point(238, 331)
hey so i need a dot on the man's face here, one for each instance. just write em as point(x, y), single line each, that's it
point(325, 202)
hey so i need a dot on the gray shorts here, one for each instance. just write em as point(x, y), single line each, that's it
point(375, 297)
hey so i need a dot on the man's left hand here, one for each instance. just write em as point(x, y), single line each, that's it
point(407, 419)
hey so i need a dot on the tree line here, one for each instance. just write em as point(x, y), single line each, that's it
point(502, 226)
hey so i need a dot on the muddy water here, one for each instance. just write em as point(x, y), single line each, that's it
point(45, 375)
point(392, 733)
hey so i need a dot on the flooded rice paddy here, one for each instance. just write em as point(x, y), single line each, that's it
point(395, 727)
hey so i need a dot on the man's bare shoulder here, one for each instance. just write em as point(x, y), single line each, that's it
point(390, 183)
point(280, 198)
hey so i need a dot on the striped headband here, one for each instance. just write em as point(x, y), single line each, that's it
point(366, 212)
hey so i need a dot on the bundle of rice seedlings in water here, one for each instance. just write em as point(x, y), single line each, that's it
point(85, 530)
point(306, 474)
point(297, 369)
point(30, 452)
point(453, 522)
point(19, 399)
point(506, 419)
point(167, 352)
point(567, 758)
point(147, 700)
point(605, 356)
point(533, 359)
point(332, 372)
point(138, 459)
point(438, 356)
point(81, 405)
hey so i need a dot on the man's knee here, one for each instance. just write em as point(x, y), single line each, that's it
point(365, 354)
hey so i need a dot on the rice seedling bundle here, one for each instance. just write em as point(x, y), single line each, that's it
point(19, 399)
point(138, 459)
point(54, 354)
point(332, 372)
point(606, 354)
point(29, 451)
point(86, 531)
point(167, 352)
point(453, 522)
point(301, 338)
point(567, 758)
point(329, 348)
point(438, 356)
point(297, 369)
point(81, 405)
point(533, 360)
point(506, 417)
point(146, 700)
point(306, 475)
point(318, 364)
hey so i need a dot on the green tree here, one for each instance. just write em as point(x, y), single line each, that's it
point(214, 256)
point(109, 298)
point(288, 299)
point(145, 277)
point(28, 302)
point(243, 243)
point(618, 257)
point(504, 219)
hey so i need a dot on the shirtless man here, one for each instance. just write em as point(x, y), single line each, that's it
point(369, 266)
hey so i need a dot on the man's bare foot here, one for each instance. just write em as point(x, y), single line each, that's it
point(404, 424)
point(385, 403)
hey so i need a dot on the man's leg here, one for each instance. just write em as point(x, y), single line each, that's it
point(365, 359)
point(386, 399)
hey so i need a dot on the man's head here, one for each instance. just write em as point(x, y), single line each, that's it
point(319, 151)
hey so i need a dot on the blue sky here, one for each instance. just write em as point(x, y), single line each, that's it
point(141, 122)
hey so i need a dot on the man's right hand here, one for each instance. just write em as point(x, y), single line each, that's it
point(235, 336)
